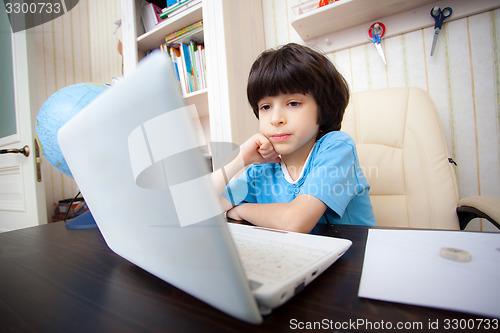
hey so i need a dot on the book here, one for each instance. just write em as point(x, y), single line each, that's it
point(186, 58)
point(186, 50)
point(185, 32)
point(200, 56)
point(196, 65)
point(193, 34)
point(199, 65)
point(178, 8)
point(150, 15)
point(179, 66)
point(175, 62)
point(188, 61)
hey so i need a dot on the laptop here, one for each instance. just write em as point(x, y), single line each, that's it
point(136, 156)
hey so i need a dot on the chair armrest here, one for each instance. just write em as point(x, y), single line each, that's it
point(479, 206)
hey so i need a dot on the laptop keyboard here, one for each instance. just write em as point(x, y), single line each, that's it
point(273, 259)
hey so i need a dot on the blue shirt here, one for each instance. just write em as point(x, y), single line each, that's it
point(331, 173)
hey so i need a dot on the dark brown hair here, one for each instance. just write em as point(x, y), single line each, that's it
point(294, 68)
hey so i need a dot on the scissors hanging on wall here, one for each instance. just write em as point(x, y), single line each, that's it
point(439, 16)
point(375, 33)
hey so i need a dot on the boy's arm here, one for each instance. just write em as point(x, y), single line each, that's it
point(221, 177)
point(299, 215)
point(256, 150)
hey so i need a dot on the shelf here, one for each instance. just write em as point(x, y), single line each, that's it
point(333, 38)
point(153, 38)
point(200, 99)
point(345, 14)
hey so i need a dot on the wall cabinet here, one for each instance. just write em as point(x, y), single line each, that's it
point(348, 13)
point(345, 23)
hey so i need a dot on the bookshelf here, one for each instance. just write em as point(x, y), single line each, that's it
point(155, 37)
point(233, 35)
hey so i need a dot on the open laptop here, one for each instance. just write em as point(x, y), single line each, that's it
point(135, 155)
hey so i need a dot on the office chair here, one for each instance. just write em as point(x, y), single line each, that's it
point(403, 153)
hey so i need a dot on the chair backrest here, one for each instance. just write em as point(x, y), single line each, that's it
point(403, 153)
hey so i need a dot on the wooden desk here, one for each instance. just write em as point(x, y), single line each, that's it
point(58, 280)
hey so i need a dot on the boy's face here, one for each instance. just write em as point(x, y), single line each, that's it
point(290, 122)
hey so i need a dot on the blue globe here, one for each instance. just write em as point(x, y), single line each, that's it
point(60, 107)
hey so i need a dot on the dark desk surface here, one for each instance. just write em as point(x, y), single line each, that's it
point(58, 280)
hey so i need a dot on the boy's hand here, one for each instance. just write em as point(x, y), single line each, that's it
point(258, 150)
point(233, 214)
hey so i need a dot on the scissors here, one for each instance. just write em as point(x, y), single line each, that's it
point(439, 16)
point(375, 33)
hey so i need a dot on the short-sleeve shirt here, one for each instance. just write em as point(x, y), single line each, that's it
point(331, 173)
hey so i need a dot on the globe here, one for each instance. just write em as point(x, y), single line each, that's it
point(60, 107)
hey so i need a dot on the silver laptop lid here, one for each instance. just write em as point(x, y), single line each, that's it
point(136, 158)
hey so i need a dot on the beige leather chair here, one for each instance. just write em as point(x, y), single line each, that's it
point(403, 153)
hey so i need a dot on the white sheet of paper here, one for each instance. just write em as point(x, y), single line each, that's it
point(405, 266)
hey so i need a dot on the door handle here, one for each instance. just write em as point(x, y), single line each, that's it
point(38, 161)
point(25, 151)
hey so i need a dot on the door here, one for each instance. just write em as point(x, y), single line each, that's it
point(22, 198)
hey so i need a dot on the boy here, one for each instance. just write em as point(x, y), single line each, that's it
point(303, 169)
